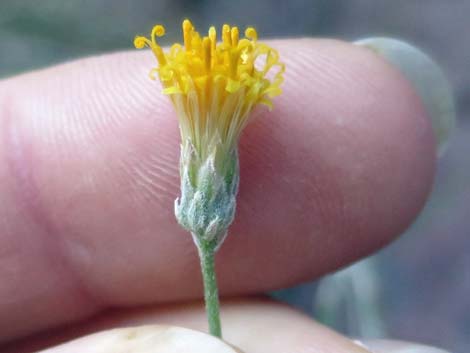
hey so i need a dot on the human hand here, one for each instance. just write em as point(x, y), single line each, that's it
point(89, 174)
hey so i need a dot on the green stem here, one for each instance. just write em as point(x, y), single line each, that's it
point(211, 296)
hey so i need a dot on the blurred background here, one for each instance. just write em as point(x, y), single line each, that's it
point(416, 289)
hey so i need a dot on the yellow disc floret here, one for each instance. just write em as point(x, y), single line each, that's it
point(214, 86)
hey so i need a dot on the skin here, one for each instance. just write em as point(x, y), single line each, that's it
point(88, 169)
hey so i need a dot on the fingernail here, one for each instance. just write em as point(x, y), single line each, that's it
point(390, 346)
point(146, 339)
point(427, 78)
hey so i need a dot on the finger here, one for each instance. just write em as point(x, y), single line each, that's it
point(147, 339)
point(392, 346)
point(250, 325)
point(90, 149)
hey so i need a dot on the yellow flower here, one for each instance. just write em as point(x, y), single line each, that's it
point(214, 86)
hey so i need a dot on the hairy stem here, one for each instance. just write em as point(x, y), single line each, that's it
point(207, 251)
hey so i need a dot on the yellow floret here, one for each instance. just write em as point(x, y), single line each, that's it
point(212, 85)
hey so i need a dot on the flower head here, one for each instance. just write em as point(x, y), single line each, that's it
point(213, 87)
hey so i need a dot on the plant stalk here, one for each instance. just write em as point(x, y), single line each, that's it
point(207, 251)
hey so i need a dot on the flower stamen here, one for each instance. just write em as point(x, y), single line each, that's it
point(214, 86)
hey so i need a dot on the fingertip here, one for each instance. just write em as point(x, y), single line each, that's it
point(146, 339)
point(427, 79)
point(347, 159)
point(395, 346)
